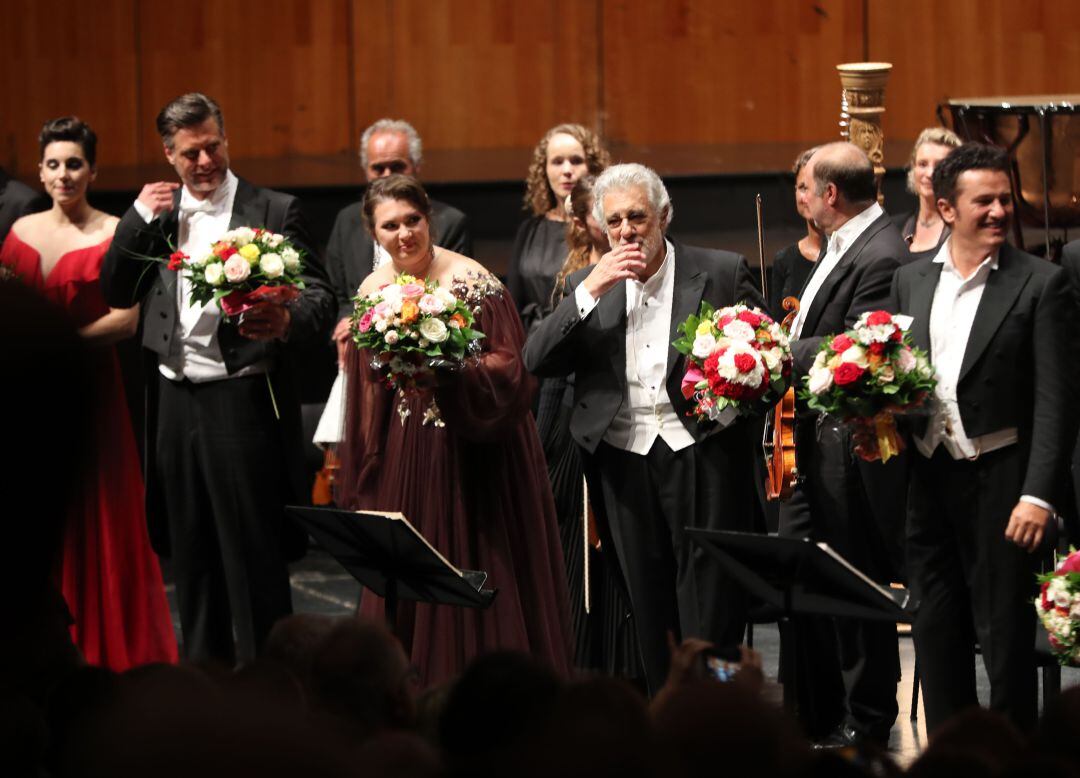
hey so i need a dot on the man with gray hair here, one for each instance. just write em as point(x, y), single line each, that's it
point(387, 147)
point(223, 454)
point(652, 468)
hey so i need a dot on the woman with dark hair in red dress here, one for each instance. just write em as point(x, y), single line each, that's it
point(108, 573)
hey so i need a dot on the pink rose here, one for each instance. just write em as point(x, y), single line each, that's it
point(1071, 563)
point(383, 310)
point(690, 380)
point(365, 322)
point(412, 291)
point(237, 269)
point(841, 343)
point(431, 304)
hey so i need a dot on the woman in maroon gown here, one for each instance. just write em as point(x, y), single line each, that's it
point(108, 573)
point(476, 488)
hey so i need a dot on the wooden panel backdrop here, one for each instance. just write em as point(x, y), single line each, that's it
point(477, 73)
point(302, 77)
point(63, 57)
point(701, 72)
point(971, 48)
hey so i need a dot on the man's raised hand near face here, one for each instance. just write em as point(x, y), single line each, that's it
point(626, 260)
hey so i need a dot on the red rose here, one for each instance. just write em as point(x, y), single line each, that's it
point(712, 361)
point(176, 260)
point(744, 363)
point(847, 373)
point(724, 320)
point(878, 318)
point(226, 252)
point(877, 348)
point(898, 335)
point(750, 318)
point(841, 343)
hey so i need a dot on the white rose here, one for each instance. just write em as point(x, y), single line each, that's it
point(380, 325)
point(423, 343)
point(214, 274)
point(272, 239)
point(291, 258)
point(1058, 591)
point(433, 329)
point(391, 337)
point(703, 346)
point(237, 269)
point(204, 260)
point(242, 236)
point(738, 330)
point(819, 360)
point(445, 295)
point(271, 265)
point(773, 357)
point(820, 380)
point(856, 355)
point(392, 294)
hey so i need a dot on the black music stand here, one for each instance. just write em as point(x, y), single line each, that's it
point(386, 554)
point(798, 577)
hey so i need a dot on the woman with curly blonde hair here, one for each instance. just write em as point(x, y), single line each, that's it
point(563, 155)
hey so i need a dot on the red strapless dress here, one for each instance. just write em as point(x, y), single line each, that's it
point(108, 573)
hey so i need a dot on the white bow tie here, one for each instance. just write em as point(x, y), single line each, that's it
point(193, 206)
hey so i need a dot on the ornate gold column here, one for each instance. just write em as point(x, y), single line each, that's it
point(862, 102)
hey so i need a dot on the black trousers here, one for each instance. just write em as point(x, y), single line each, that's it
point(972, 584)
point(846, 670)
point(220, 461)
point(673, 585)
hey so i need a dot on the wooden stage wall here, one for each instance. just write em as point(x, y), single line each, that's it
point(303, 77)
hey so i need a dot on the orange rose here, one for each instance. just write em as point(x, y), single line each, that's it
point(409, 311)
point(457, 321)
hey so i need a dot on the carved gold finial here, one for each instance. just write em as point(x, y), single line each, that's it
point(862, 102)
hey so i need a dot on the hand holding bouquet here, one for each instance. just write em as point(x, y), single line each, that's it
point(738, 362)
point(867, 375)
point(415, 328)
point(1058, 608)
point(244, 267)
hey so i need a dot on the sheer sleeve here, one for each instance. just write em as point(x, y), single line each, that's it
point(487, 398)
point(367, 413)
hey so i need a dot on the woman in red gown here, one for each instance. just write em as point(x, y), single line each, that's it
point(476, 488)
point(108, 573)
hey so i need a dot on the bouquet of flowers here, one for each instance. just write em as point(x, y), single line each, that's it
point(1058, 608)
point(738, 362)
point(867, 375)
point(415, 327)
point(245, 266)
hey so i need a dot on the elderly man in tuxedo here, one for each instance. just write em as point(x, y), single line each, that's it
point(222, 458)
point(386, 147)
point(991, 461)
point(846, 670)
point(653, 469)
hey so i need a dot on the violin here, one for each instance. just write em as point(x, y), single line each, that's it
point(778, 439)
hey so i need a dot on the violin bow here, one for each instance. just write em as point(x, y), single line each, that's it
point(761, 248)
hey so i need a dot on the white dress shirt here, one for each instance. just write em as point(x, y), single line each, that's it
point(646, 412)
point(956, 301)
point(195, 353)
point(839, 242)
